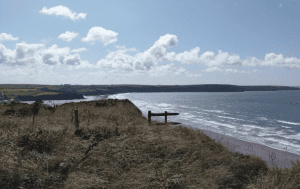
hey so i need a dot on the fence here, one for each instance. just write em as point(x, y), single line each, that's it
point(76, 119)
point(159, 114)
point(149, 116)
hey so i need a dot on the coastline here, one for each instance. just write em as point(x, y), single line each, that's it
point(29, 99)
point(280, 158)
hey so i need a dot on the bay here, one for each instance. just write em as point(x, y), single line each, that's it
point(270, 118)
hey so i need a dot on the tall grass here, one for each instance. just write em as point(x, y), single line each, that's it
point(114, 147)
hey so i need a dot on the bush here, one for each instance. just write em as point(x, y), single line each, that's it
point(9, 112)
point(41, 141)
point(25, 111)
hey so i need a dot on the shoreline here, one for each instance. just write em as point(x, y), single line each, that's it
point(280, 158)
point(103, 97)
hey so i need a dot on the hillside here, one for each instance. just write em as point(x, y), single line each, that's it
point(115, 147)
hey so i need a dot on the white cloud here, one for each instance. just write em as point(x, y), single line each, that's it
point(78, 50)
point(163, 70)
point(62, 11)
point(280, 5)
point(147, 60)
point(229, 70)
point(140, 63)
point(167, 40)
point(100, 34)
point(224, 59)
point(34, 54)
point(7, 37)
point(117, 60)
point(212, 69)
point(68, 36)
point(46, 40)
point(120, 47)
point(187, 57)
point(208, 58)
point(22, 55)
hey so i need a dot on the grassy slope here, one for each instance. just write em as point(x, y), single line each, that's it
point(114, 147)
point(10, 93)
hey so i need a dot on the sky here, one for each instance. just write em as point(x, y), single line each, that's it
point(153, 42)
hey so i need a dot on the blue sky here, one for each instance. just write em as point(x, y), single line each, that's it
point(153, 42)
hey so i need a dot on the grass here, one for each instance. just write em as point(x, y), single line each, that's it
point(114, 147)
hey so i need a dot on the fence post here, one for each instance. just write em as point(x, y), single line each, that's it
point(149, 117)
point(165, 116)
point(76, 119)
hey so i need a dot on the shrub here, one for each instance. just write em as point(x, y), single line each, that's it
point(9, 112)
point(25, 111)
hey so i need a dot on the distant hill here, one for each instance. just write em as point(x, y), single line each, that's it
point(114, 89)
point(77, 92)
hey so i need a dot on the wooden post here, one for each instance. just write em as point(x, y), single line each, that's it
point(160, 114)
point(76, 119)
point(149, 117)
point(165, 116)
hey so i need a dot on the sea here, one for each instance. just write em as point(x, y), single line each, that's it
point(270, 118)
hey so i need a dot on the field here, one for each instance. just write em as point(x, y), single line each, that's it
point(115, 147)
point(22, 90)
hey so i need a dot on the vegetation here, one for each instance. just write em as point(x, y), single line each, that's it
point(11, 93)
point(114, 147)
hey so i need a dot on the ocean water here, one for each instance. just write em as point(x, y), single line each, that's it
point(270, 118)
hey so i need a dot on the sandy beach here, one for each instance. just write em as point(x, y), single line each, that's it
point(280, 158)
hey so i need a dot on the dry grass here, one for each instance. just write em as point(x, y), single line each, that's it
point(114, 147)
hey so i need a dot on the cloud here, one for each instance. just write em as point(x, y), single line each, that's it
point(100, 34)
point(187, 57)
point(212, 69)
point(7, 37)
point(62, 11)
point(224, 59)
point(140, 63)
point(145, 61)
point(38, 55)
point(227, 70)
point(149, 59)
point(46, 40)
point(78, 50)
point(22, 55)
point(68, 36)
point(280, 5)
